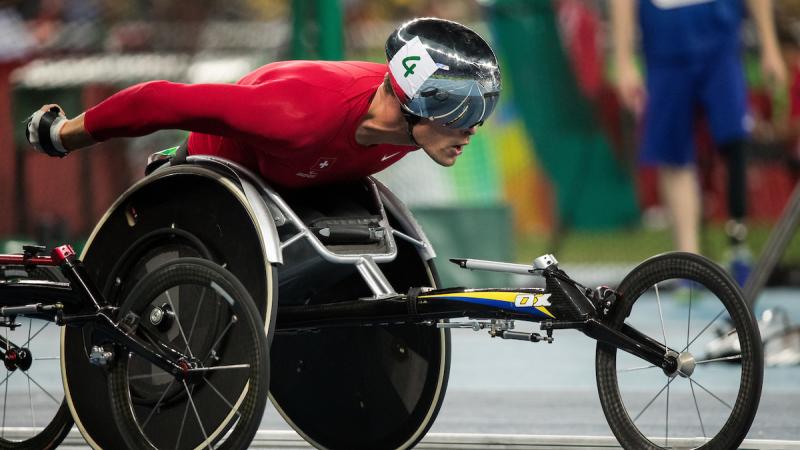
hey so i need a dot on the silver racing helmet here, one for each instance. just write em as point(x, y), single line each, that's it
point(443, 71)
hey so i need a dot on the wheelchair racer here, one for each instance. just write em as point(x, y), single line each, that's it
point(304, 123)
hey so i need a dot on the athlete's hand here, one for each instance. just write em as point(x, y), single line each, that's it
point(773, 69)
point(631, 89)
point(43, 130)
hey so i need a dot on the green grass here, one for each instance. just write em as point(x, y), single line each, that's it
point(634, 245)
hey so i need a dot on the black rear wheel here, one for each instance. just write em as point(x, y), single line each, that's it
point(198, 309)
point(693, 307)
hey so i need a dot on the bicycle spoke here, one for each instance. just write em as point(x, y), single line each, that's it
point(221, 335)
point(238, 414)
point(157, 405)
point(158, 345)
point(58, 402)
point(703, 330)
point(653, 399)
point(46, 358)
point(5, 402)
point(632, 369)
point(6, 378)
point(183, 424)
point(711, 394)
point(196, 314)
point(30, 338)
point(228, 367)
point(661, 315)
point(697, 407)
point(723, 358)
point(178, 322)
point(666, 432)
point(196, 414)
point(30, 399)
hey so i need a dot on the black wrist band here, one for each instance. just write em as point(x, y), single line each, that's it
point(45, 123)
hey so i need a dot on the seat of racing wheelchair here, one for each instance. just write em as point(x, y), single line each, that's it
point(338, 387)
point(342, 217)
point(331, 213)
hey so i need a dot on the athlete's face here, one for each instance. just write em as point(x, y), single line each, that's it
point(441, 143)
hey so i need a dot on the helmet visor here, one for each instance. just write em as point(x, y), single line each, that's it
point(454, 103)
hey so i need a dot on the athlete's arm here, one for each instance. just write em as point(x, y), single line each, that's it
point(628, 80)
point(275, 110)
point(220, 109)
point(772, 65)
point(74, 134)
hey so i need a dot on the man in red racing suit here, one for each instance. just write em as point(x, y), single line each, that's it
point(303, 123)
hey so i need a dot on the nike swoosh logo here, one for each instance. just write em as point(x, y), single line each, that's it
point(385, 157)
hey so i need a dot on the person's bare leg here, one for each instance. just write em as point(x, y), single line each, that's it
point(681, 196)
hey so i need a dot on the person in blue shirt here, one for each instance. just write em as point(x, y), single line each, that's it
point(692, 60)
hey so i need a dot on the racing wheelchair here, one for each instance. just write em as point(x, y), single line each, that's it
point(343, 282)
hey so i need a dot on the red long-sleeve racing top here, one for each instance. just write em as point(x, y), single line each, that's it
point(293, 122)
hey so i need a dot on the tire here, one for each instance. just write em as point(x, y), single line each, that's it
point(30, 399)
point(690, 298)
point(333, 384)
point(214, 316)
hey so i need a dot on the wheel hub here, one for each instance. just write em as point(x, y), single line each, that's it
point(686, 364)
point(186, 366)
point(683, 364)
point(18, 358)
point(162, 317)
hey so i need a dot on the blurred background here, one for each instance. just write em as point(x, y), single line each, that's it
point(553, 171)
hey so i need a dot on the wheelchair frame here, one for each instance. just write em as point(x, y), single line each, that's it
point(386, 305)
point(562, 304)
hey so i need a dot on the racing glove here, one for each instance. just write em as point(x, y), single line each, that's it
point(43, 131)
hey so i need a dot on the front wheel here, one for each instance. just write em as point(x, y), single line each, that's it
point(690, 305)
point(195, 308)
point(33, 411)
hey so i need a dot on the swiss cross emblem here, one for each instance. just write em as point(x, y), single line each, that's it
point(323, 163)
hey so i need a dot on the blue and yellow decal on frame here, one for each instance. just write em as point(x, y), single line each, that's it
point(534, 303)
